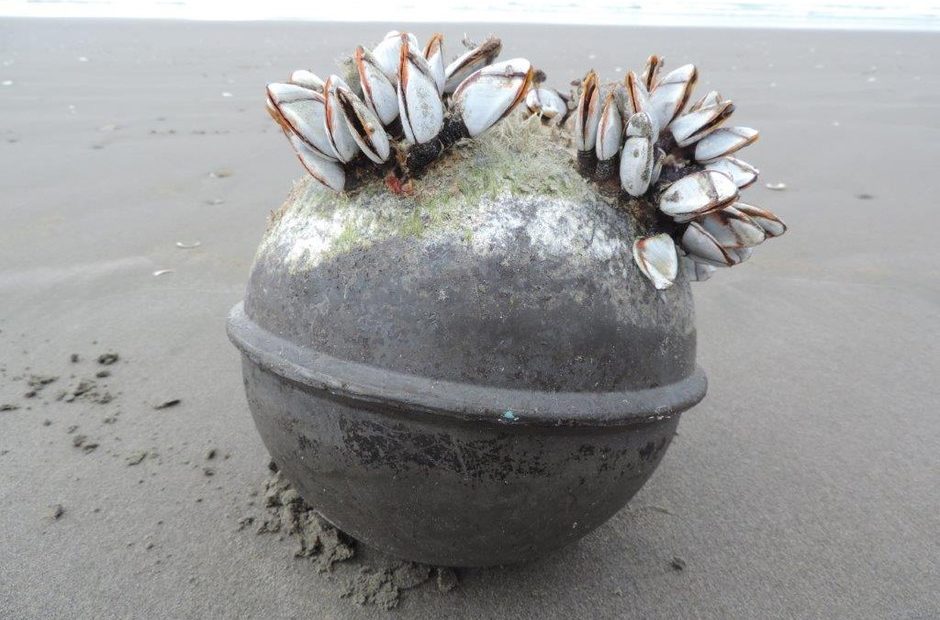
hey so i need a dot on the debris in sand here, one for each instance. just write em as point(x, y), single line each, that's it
point(101, 374)
point(656, 508)
point(81, 441)
point(86, 389)
point(864, 196)
point(220, 174)
point(382, 585)
point(168, 403)
point(373, 587)
point(677, 563)
point(137, 457)
point(106, 359)
point(9, 407)
point(37, 383)
point(318, 540)
point(82, 387)
point(211, 454)
point(57, 511)
point(777, 187)
point(245, 522)
point(446, 579)
point(161, 272)
point(188, 246)
point(208, 472)
point(74, 358)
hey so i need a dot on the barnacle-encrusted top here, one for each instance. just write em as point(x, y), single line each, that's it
point(669, 163)
point(403, 110)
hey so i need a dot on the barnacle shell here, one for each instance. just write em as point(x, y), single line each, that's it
point(724, 141)
point(378, 91)
point(657, 259)
point(697, 194)
point(419, 103)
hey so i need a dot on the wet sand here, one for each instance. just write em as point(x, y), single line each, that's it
point(805, 485)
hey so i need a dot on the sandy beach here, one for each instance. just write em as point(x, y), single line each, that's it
point(806, 484)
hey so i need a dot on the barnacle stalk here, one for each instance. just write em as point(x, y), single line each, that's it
point(671, 164)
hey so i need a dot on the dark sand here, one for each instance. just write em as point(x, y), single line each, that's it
point(807, 484)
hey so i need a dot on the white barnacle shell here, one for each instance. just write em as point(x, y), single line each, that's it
point(650, 77)
point(488, 95)
point(637, 94)
point(773, 226)
point(300, 111)
point(587, 115)
point(657, 258)
point(364, 125)
point(709, 99)
point(732, 228)
point(337, 130)
point(671, 94)
point(468, 62)
point(724, 141)
point(378, 91)
point(703, 247)
point(740, 254)
point(546, 102)
point(695, 271)
point(638, 158)
point(693, 126)
point(696, 194)
point(419, 103)
point(742, 173)
point(609, 129)
point(387, 52)
point(326, 171)
point(307, 79)
point(434, 54)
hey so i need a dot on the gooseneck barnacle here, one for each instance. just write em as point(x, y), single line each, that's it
point(672, 165)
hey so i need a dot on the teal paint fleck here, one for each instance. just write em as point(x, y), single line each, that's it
point(510, 416)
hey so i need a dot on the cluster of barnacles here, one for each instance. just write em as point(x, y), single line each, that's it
point(405, 110)
point(676, 171)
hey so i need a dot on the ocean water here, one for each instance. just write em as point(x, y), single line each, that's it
point(837, 14)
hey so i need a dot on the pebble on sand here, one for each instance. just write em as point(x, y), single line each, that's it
point(106, 359)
